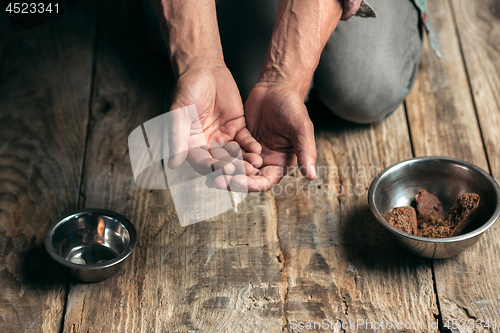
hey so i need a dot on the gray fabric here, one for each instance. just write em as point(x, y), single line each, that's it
point(367, 68)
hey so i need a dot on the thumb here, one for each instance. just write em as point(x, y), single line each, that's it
point(178, 152)
point(179, 132)
point(304, 144)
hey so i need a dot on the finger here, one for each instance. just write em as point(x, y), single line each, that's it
point(245, 139)
point(250, 170)
point(241, 167)
point(200, 160)
point(223, 166)
point(214, 145)
point(233, 148)
point(222, 182)
point(304, 146)
point(254, 159)
point(219, 153)
point(244, 168)
point(263, 181)
point(179, 133)
point(178, 145)
point(351, 7)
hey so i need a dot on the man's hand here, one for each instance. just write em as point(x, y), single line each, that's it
point(278, 119)
point(275, 112)
point(218, 118)
point(190, 30)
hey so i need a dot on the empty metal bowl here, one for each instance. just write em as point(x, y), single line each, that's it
point(91, 243)
point(447, 178)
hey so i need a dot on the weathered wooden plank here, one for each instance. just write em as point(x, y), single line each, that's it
point(443, 122)
point(478, 24)
point(218, 275)
point(340, 265)
point(440, 109)
point(127, 91)
point(44, 93)
point(224, 274)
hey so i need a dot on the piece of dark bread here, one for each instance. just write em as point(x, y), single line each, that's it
point(440, 225)
point(404, 218)
point(427, 205)
point(464, 212)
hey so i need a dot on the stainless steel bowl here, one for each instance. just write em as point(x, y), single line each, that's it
point(91, 243)
point(447, 178)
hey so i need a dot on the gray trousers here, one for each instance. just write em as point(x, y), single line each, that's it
point(367, 68)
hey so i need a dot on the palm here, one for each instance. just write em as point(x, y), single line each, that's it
point(269, 123)
point(218, 118)
point(278, 120)
point(217, 101)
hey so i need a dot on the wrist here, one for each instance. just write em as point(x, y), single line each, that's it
point(296, 80)
point(198, 51)
point(183, 62)
point(190, 30)
point(300, 33)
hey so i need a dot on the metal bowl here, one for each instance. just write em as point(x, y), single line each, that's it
point(447, 178)
point(91, 243)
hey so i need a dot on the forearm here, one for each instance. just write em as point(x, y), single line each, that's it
point(190, 30)
point(300, 33)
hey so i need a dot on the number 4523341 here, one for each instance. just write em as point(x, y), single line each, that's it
point(31, 8)
point(460, 324)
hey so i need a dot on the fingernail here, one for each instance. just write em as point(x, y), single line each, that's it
point(312, 172)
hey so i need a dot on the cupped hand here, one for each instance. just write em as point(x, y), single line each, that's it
point(277, 118)
point(217, 117)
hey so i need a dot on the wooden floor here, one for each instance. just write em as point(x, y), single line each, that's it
point(73, 89)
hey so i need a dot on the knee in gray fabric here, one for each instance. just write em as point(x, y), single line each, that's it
point(354, 106)
point(365, 95)
point(368, 67)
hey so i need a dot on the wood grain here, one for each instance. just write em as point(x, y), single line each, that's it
point(443, 122)
point(340, 264)
point(478, 27)
point(440, 109)
point(127, 91)
point(44, 93)
point(303, 252)
point(219, 274)
point(253, 270)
